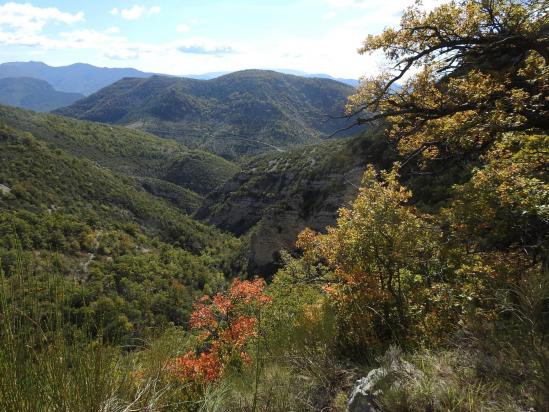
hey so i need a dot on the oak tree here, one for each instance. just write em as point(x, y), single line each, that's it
point(459, 76)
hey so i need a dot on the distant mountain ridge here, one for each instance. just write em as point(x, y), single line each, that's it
point(34, 94)
point(241, 113)
point(76, 78)
point(87, 79)
point(213, 75)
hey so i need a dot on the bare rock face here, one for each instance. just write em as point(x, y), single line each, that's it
point(315, 208)
point(278, 195)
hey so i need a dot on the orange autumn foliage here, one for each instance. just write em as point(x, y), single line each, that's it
point(225, 323)
point(384, 264)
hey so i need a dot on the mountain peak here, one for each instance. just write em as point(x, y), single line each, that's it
point(240, 113)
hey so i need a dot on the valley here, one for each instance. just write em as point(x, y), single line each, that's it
point(264, 200)
point(246, 239)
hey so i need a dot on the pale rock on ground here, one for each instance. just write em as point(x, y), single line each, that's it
point(364, 394)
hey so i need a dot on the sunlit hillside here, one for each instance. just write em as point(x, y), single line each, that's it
point(210, 212)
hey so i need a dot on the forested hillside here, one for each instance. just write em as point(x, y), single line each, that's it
point(404, 268)
point(157, 163)
point(237, 114)
point(277, 195)
point(66, 215)
point(34, 94)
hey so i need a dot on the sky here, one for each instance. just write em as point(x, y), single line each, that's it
point(198, 36)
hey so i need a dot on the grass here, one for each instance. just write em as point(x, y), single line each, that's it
point(449, 380)
point(45, 366)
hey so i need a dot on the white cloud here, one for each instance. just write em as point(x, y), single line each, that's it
point(133, 13)
point(349, 3)
point(204, 46)
point(154, 10)
point(333, 51)
point(23, 25)
point(137, 11)
point(114, 11)
point(183, 28)
point(27, 19)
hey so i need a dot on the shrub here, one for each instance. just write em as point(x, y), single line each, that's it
point(225, 325)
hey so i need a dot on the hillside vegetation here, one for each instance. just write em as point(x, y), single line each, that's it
point(34, 94)
point(67, 216)
point(428, 292)
point(132, 153)
point(237, 114)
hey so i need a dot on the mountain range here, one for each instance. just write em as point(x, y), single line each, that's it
point(213, 75)
point(188, 147)
point(241, 113)
point(192, 144)
point(86, 79)
point(265, 200)
point(75, 78)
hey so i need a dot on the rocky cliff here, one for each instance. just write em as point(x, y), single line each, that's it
point(277, 195)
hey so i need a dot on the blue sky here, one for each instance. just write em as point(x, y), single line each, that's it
point(197, 36)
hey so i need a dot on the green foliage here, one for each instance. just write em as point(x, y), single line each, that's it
point(34, 94)
point(298, 304)
point(125, 151)
point(184, 199)
point(121, 277)
point(504, 204)
point(57, 181)
point(45, 366)
point(237, 114)
point(457, 274)
point(295, 367)
point(129, 259)
point(386, 278)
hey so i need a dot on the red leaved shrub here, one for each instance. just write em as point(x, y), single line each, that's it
point(225, 324)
